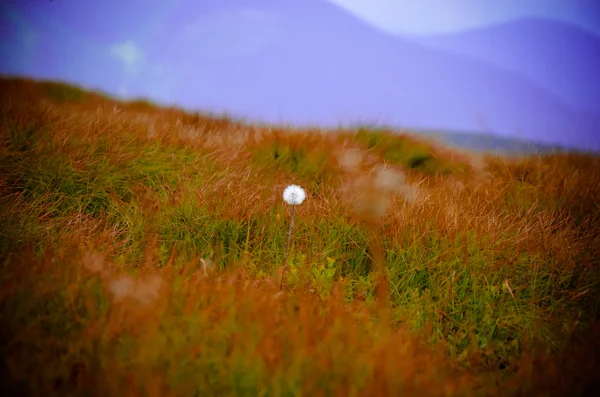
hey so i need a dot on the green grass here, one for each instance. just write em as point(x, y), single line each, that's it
point(303, 158)
point(63, 93)
point(483, 285)
point(406, 152)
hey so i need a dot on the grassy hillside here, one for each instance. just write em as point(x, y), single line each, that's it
point(142, 251)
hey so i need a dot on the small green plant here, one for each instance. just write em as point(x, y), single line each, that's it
point(324, 274)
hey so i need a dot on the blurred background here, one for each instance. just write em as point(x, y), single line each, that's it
point(505, 70)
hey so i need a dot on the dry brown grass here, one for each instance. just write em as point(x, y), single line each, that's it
point(480, 278)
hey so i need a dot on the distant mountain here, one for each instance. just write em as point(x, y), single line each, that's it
point(326, 66)
point(310, 62)
point(563, 59)
point(489, 143)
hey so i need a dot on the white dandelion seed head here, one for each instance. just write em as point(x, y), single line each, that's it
point(294, 195)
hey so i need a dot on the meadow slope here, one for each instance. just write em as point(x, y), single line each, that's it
point(141, 253)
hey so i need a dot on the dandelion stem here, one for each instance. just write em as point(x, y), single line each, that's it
point(287, 247)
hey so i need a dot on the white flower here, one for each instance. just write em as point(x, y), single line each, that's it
point(294, 195)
